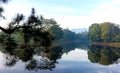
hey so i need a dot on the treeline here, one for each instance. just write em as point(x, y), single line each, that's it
point(48, 29)
point(104, 32)
point(61, 34)
point(32, 30)
point(36, 29)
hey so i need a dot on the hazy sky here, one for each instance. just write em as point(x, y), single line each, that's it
point(69, 13)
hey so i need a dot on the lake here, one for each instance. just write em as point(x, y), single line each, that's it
point(69, 58)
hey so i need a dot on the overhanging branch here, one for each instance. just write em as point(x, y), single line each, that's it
point(11, 30)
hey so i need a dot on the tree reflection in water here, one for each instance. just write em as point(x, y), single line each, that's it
point(103, 55)
point(42, 58)
point(10, 60)
point(35, 58)
point(47, 60)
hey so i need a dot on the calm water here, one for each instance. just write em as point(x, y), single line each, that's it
point(77, 59)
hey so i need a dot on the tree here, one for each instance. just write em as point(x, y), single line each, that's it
point(69, 35)
point(116, 38)
point(57, 32)
point(35, 28)
point(104, 32)
point(95, 32)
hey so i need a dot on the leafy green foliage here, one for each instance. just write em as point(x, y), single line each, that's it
point(75, 37)
point(33, 30)
point(56, 31)
point(94, 32)
point(104, 32)
point(69, 35)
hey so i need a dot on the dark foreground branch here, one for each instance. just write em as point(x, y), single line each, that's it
point(11, 30)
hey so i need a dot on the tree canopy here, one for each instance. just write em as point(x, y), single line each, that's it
point(104, 32)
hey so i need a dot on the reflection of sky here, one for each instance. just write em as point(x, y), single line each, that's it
point(74, 62)
point(77, 62)
point(75, 55)
point(85, 67)
point(1, 61)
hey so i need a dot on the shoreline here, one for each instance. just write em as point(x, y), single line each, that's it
point(106, 44)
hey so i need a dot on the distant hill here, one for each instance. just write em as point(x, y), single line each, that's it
point(79, 30)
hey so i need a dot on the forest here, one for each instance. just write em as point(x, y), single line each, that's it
point(104, 32)
point(36, 43)
point(25, 37)
point(36, 29)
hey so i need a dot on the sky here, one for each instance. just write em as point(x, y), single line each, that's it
point(68, 13)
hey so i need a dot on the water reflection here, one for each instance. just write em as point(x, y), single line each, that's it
point(67, 47)
point(62, 58)
point(45, 60)
point(35, 57)
point(103, 54)
point(76, 55)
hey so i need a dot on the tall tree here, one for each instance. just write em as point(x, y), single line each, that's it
point(104, 32)
point(57, 31)
point(94, 32)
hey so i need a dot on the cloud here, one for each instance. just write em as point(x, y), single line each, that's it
point(66, 16)
point(110, 4)
point(76, 55)
point(108, 11)
point(61, 9)
point(103, 12)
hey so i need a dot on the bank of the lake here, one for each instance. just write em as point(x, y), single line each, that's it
point(106, 44)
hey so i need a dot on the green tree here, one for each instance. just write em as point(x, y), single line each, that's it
point(56, 31)
point(95, 32)
point(104, 32)
point(69, 35)
point(34, 29)
point(116, 38)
